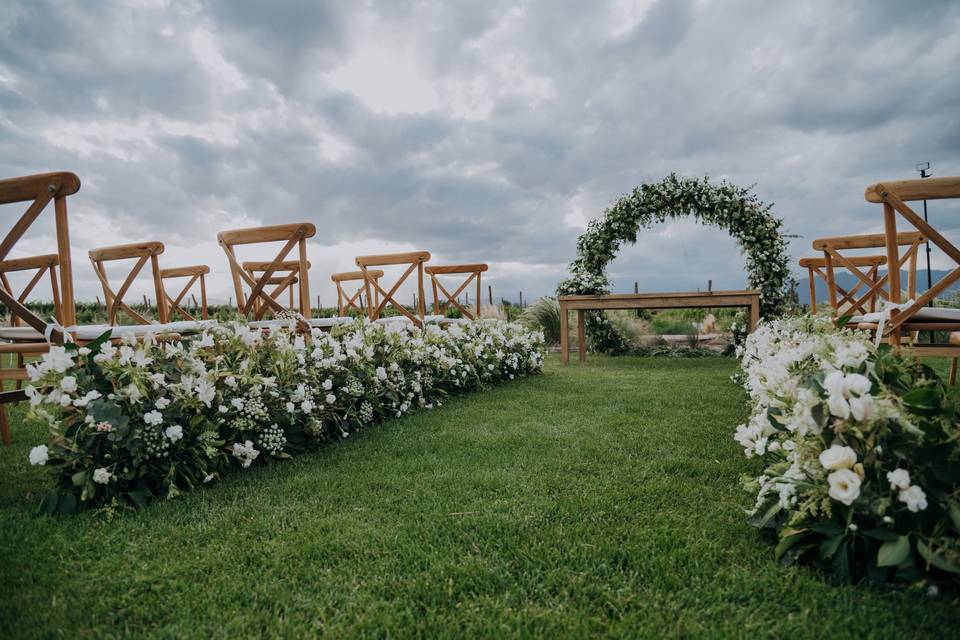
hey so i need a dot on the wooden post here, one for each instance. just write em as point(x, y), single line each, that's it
point(709, 285)
point(893, 253)
point(99, 304)
point(581, 337)
point(521, 300)
point(490, 294)
point(813, 290)
point(636, 291)
point(564, 337)
point(319, 306)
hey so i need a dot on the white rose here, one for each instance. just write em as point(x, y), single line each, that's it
point(381, 373)
point(153, 417)
point(838, 407)
point(844, 486)
point(39, 455)
point(914, 498)
point(331, 398)
point(899, 479)
point(174, 433)
point(861, 408)
point(857, 384)
point(306, 406)
point(68, 384)
point(838, 457)
point(834, 384)
point(101, 476)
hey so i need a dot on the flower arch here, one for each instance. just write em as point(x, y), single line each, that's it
point(735, 209)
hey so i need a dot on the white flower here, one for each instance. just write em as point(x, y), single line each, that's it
point(206, 392)
point(291, 407)
point(306, 406)
point(331, 398)
point(245, 452)
point(838, 457)
point(101, 476)
point(844, 486)
point(381, 374)
point(174, 433)
point(327, 384)
point(857, 384)
point(898, 479)
point(153, 417)
point(206, 340)
point(208, 478)
point(861, 408)
point(914, 497)
point(838, 407)
point(163, 403)
point(39, 454)
point(68, 384)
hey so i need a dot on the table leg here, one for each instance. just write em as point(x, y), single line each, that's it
point(581, 337)
point(754, 314)
point(564, 335)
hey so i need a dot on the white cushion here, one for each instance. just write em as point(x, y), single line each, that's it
point(26, 334)
point(94, 331)
point(326, 323)
point(926, 314)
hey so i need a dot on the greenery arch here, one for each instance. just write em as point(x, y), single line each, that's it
point(735, 209)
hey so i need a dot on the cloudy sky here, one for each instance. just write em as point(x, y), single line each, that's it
point(480, 131)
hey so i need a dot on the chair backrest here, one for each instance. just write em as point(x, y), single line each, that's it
point(142, 252)
point(259, 300)
point(40, 265)
point(472, 271)
point(834, 254)
point(414, 261)
point(196, 274)
point(346, 300)
point(284, 278)
point(816, 269)
point(894, 197)
point(39, 190)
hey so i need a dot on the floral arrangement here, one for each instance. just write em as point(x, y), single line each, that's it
point(144, 420)
point(729, 207)
point(861, 463)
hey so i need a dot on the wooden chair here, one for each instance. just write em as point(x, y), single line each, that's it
point(285, 278)
point(414, 261)
point(835, 255)
point(346, 301)
point(38, 190)
point(259, 300)
point(196, 274)
point(815, 269)
point(915, 315)
point(142, 252)
point(473, 272)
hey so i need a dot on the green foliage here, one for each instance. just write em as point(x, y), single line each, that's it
point(734, 209)
point(861, 455)
point(150, 420)
point(543, 315)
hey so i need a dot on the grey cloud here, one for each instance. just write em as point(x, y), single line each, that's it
point(809, 101)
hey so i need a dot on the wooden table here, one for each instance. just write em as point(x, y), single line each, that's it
point(682, 300)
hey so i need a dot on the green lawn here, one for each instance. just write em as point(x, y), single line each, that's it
point(594, 500)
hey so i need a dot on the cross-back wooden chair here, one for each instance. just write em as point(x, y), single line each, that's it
point(260, 299)
point(914, 315)
point(196, 274)
point(414, 261)
point(346, 300)
point(142, 252)
point(816, 269)
point(38, 190)
point(472, 271)
point(284, 278)
point(835, 256)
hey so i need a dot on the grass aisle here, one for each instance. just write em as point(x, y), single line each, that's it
point(591, 500)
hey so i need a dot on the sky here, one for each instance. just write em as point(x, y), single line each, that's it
point(486, 131)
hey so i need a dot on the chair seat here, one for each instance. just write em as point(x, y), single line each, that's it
point(20, 334)
point(926, 314)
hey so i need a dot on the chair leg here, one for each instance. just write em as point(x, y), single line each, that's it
point(20, 365)
point(4, 426)
point(953, 371)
